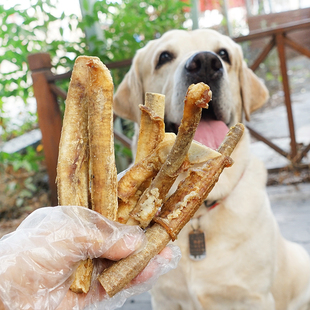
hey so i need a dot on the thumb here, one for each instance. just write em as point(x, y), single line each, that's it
point(105, 238)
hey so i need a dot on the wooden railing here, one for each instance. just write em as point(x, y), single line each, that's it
point(50, 122)
point(279, 40)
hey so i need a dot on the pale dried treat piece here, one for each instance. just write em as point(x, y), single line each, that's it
point(137, 177)
point(148, 167)
point(86, 170)
point(119, 275)
point(151, 133)
point(72, 166)
point(144, 169)
point(197, 97)
point(152, 126)
point(102, 169)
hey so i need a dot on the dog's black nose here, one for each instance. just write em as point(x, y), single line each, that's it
point(204, 66)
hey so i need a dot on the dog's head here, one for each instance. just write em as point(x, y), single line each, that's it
point(179, 58)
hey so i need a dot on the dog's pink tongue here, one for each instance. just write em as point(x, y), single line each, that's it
point(211, 133)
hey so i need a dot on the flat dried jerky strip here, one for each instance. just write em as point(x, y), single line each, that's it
point(86, 172)
point(73, 165)
point(102, 169)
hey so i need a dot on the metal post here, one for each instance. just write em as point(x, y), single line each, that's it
point(226, 14)
point(195, 14)
point(95, 29)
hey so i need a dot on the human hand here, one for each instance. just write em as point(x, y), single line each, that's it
point(39, 258)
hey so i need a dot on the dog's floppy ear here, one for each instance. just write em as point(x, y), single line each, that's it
point(254, 93)
point(129, 94)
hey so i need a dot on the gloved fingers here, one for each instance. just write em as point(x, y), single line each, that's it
point(79, 232)
point(159, 265)
point(104, 238)
point(124, 247)
point(162, 259)
point(46, 248)
point(97, 297)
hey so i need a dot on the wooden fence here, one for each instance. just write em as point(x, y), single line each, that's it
point(279, 39)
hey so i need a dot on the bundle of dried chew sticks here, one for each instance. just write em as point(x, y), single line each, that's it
point(86, 173)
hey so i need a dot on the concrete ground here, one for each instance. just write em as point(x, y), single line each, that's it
point(290, 203)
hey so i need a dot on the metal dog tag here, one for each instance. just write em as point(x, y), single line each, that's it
point(197, 244)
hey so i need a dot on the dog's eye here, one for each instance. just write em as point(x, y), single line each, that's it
point(164, 57)
point(224, 55)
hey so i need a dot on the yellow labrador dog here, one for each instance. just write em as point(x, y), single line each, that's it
point(248, 264)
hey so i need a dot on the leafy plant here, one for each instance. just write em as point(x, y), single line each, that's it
point(37, 26)
point(124, 27)
point(29, 161)
point(127, 26)
point(18, 170)
point(25, 30)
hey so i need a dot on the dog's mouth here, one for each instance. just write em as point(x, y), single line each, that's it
point(211, 130)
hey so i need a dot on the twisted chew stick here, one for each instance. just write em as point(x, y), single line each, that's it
point(119, 275)
point(197, 97)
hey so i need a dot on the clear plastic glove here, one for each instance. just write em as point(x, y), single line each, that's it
point(39, 258)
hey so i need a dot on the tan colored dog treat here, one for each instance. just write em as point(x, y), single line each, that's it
point(152, 126)
point(102, 169)
point(72, 166)
point(86, 170)
point(197, 97)
point(151, 133)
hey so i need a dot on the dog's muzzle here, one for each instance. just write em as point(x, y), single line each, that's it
point(203, 67)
